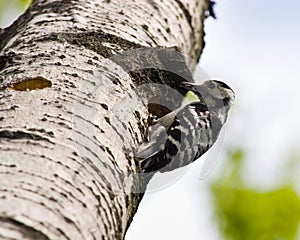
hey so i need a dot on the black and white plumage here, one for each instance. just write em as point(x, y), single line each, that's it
point(186, 133)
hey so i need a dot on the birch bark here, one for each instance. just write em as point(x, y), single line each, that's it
point(70, 115)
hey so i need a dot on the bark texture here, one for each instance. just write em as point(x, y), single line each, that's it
point(70, 114)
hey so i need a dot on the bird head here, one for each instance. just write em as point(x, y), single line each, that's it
point(213, 93)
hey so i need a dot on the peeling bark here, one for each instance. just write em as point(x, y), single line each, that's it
point(71, 115)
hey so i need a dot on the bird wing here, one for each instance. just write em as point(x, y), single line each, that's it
point(176, 145)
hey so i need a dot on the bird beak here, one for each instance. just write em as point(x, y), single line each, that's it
point(188, 85)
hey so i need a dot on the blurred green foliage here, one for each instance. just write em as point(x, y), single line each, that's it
point(245, 213)
point(9, 10)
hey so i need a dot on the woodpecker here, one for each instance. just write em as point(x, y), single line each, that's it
point(183, 135)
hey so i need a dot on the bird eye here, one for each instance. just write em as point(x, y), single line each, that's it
point(211, 85)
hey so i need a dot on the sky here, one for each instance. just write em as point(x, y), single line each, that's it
point(253, 46)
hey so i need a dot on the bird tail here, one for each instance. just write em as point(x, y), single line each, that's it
point(147, 164)
point(152, 163)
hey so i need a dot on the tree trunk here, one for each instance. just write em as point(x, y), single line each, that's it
point(71, 115)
